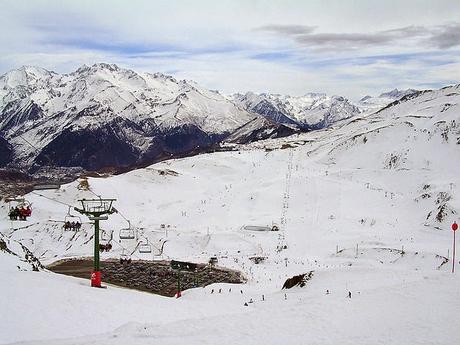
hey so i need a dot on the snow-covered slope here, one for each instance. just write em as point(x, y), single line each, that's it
point(105, 115)
point(385, 98)
point(311, 111)
point(366, 204)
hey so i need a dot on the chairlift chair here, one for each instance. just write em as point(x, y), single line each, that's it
point(21, 204)
point(125, 258)
point(145, 247)
point(71, 218)
point(106, 236)
point(127, 233)
point(105, 240)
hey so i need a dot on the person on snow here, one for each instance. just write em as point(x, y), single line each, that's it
point(22, 213)
point(13, 214)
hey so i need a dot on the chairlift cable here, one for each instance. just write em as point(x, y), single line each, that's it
point(127, 251)
point(32, 145)
point(122, 216)
point(46, 197)
point(91, 191)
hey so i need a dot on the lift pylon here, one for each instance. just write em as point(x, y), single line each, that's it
point(96, 210)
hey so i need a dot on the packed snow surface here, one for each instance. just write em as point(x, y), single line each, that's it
point(366, 205)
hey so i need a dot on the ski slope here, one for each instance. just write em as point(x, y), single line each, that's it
point(356, 204)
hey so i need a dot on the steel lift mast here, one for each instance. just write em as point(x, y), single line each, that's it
point(96, 210)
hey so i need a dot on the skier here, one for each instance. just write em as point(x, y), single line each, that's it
point(22, 213)
point(349, 294)
point(13, 214)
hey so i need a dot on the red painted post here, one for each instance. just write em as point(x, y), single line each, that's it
point(454, 229)
point(96, 279)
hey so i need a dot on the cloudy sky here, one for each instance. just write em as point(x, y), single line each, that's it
point(345, 47)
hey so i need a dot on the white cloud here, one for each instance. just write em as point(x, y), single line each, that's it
point(218, 44)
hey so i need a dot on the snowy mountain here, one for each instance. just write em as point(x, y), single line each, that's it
point(107, 116)
point(385, 98)
point(366, 204)
point(311, 111)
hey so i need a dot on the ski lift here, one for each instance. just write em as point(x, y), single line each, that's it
point(105, 240)
point(106, 236)
point(107, 247)
point(127, 233)
point(145, 246)
point(125, 258)
point(72, 222)
point(19, 208)
point(102, 206)
point(159, 251)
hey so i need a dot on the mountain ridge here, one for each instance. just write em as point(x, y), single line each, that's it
point(149, 116)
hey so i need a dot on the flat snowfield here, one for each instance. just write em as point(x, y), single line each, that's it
point(366, 206)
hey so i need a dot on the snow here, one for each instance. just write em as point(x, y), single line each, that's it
point(107, 85)
point(96, 95)
point(314, 109)
point(347, 210)
point(385, 98)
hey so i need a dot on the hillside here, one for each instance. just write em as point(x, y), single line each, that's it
point(366, 205)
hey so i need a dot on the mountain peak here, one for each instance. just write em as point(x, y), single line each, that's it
point(25, 75)
point(103, 65)
point(396, 94)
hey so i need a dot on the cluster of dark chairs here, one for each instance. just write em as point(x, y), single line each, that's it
point(105, 247)
point(20, 213)
point(125, 259)
point(75, 226)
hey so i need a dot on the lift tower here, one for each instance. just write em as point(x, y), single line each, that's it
point(96, 210)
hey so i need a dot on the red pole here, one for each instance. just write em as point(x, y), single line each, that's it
point(453, 255)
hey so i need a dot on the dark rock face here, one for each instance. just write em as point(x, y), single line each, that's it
point(111, 146)
point(6, 152)
point(270, 112)
point(90, 149)
point(185, 138)
point(266, 131)
point(299, 280)
point(16, 113)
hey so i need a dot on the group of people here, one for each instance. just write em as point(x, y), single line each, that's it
point(20, 213)
point(72, 225)
point(105, 247)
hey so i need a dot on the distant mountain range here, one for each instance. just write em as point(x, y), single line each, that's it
point(104, 116)
point(107, 116)
point(311, 111)
point(370, 102)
